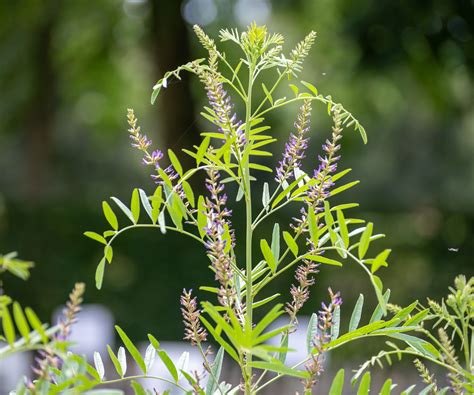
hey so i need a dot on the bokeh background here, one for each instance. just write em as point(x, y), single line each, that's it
point(70, 69)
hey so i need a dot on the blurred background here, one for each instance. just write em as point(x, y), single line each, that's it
point(70, 69)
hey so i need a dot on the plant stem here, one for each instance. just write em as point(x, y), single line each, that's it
point(248, 232)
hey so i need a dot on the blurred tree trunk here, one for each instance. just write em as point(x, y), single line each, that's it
point(40, 115)
point(171, 49)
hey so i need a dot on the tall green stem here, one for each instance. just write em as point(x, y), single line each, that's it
point(248, 231)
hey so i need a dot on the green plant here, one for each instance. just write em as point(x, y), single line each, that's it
point(33, 334)
point(230, 155)
point(449, 331)
point(323, 233)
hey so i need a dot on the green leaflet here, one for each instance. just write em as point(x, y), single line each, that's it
point(337, 384)
point(20, 321)
point(380, 260)
point(175, 162)
point(364, 386)
point(313, 226)
point(311, 332)
point(268, 255)
point(168, 363)
point(36, 324)
point(343, 228)
point(275, 247)
point(124, 209)
point(213, 381)
point(110, 215)
point(386, 388)
point(365, 240)
point(99, 273)
point(379, 310)
point(280, 368)
point(323, 259)
point(115, 361)
point(7, 325)
point(96, 237)
point(291, 243)
point(137, 388)
point(131, 349)
point(135, 205)
point(356, 313)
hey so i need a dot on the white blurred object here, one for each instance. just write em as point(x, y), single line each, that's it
point(184, 356)
point(93, 330)
point(202, 12)
point(12, 369)
point(248, 11)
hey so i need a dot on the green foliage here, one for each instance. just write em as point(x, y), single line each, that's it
point(443, 325)
point(233, 150)
point(324, 234)
point(387, 388)
point(17, 267)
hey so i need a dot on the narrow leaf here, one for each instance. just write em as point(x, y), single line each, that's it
point(337, 384)
point(96, 237)
point(7, 325)
point(268, 255)
point(343, 228)
point(135, 205)
point(169, 364)
point(323, 259)
point(122, 358)
point(21, 322)
point(146, 203)
point(131, 348)
point(215, 373)
point(115, 361)
point(365, 240)
point(99, 273)
point(124, 208)
point(175, 162)
point(291, 243)
point(99, 365)
point(356, 313)
point(364, 386)
point(276, 242)
point(36, 324)
point(265, 196)
point(110, 215)
point(336, 323)
point(150, 356)
point(311, 332)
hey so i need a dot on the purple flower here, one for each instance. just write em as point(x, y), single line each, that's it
point(222, 105)
point(295, 148)
point(219, 235)
point(153, 159)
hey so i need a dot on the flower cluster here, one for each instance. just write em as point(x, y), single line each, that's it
point(142, 143)
point(220, 238)
point(300, 292)
point(301, 52)
point(193, 331)
point(319, 191)
point(321, 339)
point(295, 148)
point(327, 164)
point(222, 105)
point(48, 359)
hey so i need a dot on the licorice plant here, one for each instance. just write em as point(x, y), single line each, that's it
point(230, 154)
point(319, 234)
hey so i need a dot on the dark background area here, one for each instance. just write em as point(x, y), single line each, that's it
point(70, 69)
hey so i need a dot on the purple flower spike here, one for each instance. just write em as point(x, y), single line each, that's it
point(295, 148)
point(221, 103)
